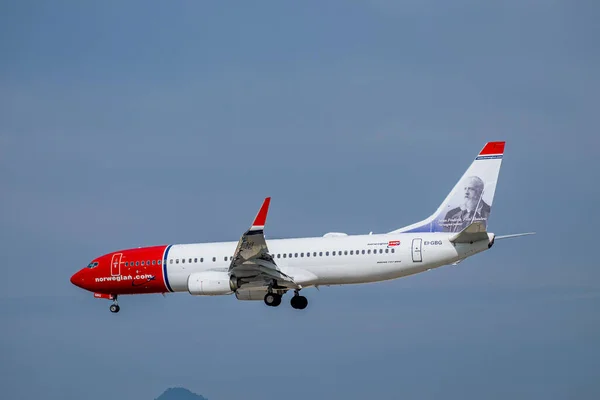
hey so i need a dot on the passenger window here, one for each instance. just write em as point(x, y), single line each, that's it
point(314, 254)
point(320, 254)
point(137, 263)
point(126, 264)
point(171, 261)
point(363, 252)
point(225, 258)
point(278, 255)
point(284, 255)
point(153, 262)
point(214, 259)
point(195, 260)
point(386, 250)
point(301, 254)
point(326, 253)
point(296, 255)
point(142, 263)
point(201, 259)
point(290, 255)
point(369, 251)
point(351, 252)
point(183, 260)
point(393, 250)
point(159, 262)
point(308, 254)
point(345, 252)
point(380, 251)
point(177, 261)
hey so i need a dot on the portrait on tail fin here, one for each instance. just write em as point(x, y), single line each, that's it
point(471, 208)
point(471, 198)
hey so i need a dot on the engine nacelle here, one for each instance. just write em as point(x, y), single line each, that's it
point(210, 283)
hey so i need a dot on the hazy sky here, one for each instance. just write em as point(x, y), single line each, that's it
point(126, 124)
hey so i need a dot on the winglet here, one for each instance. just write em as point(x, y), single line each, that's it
point(261, 217)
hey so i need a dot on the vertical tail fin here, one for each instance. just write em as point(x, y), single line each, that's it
point(471, 198)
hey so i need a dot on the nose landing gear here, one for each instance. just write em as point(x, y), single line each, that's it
point(114, 307)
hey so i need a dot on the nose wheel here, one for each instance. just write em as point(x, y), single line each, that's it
point(114, 307)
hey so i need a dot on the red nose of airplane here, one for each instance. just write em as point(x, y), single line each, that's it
point(77, 279)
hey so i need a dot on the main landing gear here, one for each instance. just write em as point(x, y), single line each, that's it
point(114, 307)
point(297, 302)
point(272, 299)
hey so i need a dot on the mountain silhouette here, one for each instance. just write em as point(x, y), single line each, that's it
point(179, 393)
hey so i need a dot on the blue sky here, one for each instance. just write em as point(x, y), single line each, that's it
point(126, 124)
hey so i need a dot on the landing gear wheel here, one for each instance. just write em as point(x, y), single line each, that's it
point(299, 302)
point(272, 299)
point(114, 308)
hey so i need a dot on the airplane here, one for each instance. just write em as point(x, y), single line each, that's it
point(254, 268)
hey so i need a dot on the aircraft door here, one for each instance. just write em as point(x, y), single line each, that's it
point(416, 250)
point(115, 264)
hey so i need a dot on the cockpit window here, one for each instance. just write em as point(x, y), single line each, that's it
point(92, 265)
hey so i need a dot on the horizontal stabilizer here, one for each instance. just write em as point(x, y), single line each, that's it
point(472, 233)
point(514, 235)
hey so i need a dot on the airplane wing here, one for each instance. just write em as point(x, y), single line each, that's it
point(252, 264)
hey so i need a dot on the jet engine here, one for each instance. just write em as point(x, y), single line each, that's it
point(211, 283)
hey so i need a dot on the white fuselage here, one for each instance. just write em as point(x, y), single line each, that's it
point(311, 261)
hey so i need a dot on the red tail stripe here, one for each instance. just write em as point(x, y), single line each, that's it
point(493, 148)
